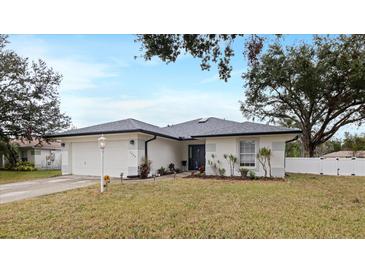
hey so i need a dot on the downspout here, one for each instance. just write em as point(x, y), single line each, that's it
point(146, 146)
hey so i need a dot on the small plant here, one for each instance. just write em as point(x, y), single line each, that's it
point(106, 180)
point(221, 171)
point(161, 171)
point(252, 174)
point(215, 165)
point(24, 166)
point(144, 168)
point(202, 169)
point(171, 167)
point(243, 172)
point(263, 157)
point(232, 161)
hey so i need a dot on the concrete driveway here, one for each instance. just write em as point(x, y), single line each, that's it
point(29, 189)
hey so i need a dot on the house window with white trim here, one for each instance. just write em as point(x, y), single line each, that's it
point(247, 153)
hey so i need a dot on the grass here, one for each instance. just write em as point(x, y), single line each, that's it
point(18, 176)
point(303, 206)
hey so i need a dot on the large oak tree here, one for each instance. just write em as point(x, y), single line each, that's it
point(29, 102)
point(318, 87)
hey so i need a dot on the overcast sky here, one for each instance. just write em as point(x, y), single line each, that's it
point(102, 81)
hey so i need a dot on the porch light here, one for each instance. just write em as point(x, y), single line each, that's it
point(102, 142)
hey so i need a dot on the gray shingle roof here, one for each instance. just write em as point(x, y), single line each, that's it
point(126, 125)
point(231, 128)
point(187, 130)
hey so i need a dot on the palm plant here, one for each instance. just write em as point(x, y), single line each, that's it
point(232, 161)
point(263, 156)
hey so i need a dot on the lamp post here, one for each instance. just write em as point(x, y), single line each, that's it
point(102, 144)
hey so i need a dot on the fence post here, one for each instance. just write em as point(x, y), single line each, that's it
point(321, 165)
point(353, 166)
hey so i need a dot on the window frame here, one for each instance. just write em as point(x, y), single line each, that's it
point(254, 153)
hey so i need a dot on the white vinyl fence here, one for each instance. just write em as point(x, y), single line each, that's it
point(326, 166)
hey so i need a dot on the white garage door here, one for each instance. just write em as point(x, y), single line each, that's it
point(86, 158)
point(116, 158)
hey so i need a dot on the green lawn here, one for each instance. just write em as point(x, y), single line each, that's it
point(18, 176)
point(303, 206)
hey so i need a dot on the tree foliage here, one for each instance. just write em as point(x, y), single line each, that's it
point(353, 142)
point(317, 87)
point(209, 48)
point(29, 103)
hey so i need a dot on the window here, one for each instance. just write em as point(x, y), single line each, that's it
point(24, 156)
point(247, 153)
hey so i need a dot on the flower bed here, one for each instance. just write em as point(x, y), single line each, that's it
point(233, 178)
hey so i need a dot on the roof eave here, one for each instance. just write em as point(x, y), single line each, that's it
point(111, 132)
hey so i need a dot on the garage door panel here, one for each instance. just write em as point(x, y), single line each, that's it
point(86, 158)
point(116, 158)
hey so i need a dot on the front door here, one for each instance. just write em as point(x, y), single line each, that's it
point(196, 156)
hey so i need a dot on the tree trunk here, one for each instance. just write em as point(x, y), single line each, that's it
point(12, 155)
point(311, 151)
point(309, 147)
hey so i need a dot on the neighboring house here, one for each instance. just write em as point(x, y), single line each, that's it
point(345, 154)
point(130, 140)
point(43, 155)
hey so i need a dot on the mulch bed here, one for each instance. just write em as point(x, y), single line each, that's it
point(232, 178)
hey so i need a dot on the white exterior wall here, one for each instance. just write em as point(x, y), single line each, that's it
point(163, 151)
point(45, 158)
point(40, 158)
point(81, 155)
point(231, 145)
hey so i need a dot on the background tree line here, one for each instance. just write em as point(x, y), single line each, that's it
point(350, 142)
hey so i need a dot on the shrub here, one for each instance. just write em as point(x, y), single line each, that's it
point(221, 171)
point(24, 166)
point(232, 161)
point(215, 165)
point(172, 167)
point(252, 174)
point(264, 156)
point(162, 171)
point(202, 169)
point(144, 168)
point(177, 170)
point(243, 172)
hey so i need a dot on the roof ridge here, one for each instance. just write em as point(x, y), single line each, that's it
point(172, 125)
point(135, 123)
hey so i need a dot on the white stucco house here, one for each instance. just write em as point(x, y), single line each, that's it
point(43, 155)
point(191, 143)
